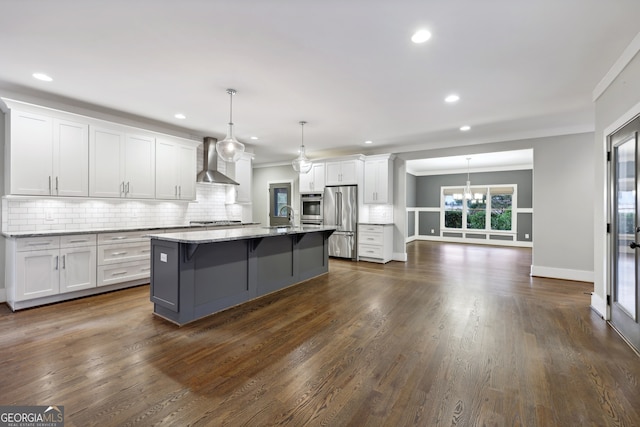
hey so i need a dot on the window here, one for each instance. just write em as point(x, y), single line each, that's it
point(501, 208)
point(489, 209)
point(477, 210)
point(453, 210)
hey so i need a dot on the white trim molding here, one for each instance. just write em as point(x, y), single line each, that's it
point(562, 273)
point(624, 59)
point(399, 256)
point(599, 305)
point(3, 295)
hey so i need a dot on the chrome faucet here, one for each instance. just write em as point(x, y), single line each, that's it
point(291, 214)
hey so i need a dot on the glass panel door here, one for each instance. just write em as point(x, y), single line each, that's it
point(280, 207)
point(626, 232)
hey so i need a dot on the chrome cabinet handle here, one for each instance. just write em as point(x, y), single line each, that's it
point(64, 261)
point(49, 184)
point(119, 273)
point(56, 185)
point(56, 262)
point(118, 253)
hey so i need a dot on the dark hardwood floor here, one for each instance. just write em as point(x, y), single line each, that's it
point(459, 335)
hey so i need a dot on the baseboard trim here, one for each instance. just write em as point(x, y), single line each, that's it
point(599, 305)
point(399, 256)
point(562, 273)
point(3, 295)
point(489, 242)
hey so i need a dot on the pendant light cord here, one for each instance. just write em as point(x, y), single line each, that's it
point(231, 92)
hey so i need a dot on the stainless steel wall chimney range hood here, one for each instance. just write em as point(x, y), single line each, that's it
point(210, 172)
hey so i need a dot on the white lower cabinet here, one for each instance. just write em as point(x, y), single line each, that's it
point(123, 257)
point(123, 272)
point(375, 242)
point(77, 268)
point(46, 269)
point(46, 266)
point(37, 274)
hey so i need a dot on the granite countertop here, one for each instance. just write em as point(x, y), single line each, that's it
point(41, 233)
point(375, 223)
point(212, 236)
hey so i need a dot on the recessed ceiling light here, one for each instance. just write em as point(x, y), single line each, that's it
point(452, 98)
point(368, 142)
point(254, 137)
point(420, 36)
point(180, 116)
point(43, 77)
point(465, 128)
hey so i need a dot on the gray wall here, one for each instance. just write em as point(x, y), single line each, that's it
point(411, 190)
point(562, 183)
point(427, 195)
point(620, 99)
point(428, 187)
point(261, 179)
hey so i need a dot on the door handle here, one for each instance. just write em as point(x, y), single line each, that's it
point(634, 245)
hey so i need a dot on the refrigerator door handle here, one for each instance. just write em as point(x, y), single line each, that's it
point(339, 216)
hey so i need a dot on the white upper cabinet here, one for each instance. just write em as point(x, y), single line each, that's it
point(139, 166)
point(244, 176)
point(345, 172)
point(106, 151)
point(121, 164)
point(47, 155)
point(71, 158)
point(313, 181)
point(175, 170)
point(378, 179)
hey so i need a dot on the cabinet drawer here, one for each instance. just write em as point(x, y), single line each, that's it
point(366, 228)
point(77, 240)
point(38, 243)
point(123, 237)
point(123, 272)
point(369, 251)
point(371, 238)
point(124, 252)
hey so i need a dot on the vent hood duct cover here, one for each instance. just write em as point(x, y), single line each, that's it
point(210, 172)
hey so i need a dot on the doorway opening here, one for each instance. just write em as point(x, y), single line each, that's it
point(280, 204)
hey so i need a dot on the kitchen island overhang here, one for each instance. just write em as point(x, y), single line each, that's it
point(195, 274)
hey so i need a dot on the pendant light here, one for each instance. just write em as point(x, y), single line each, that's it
point(301, 163)
point(230, 149)
point(467, 189)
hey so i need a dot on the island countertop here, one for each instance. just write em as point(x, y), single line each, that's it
point(230, 234)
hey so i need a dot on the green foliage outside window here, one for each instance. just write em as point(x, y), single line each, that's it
point(453, 219)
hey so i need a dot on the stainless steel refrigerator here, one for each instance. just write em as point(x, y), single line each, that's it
point(341, 211)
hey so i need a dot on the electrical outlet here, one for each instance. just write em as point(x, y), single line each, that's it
point(48, 216)
point(433, 231)
point(526, 236)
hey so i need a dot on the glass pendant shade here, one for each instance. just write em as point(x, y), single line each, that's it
point(230, 149)
point(468, 195)
point(301, 163)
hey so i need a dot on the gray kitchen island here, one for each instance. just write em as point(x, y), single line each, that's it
point(197, 273)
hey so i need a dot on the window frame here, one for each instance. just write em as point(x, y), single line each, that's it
point(485, 189)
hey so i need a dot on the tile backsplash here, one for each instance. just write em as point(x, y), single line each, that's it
point(24, 214)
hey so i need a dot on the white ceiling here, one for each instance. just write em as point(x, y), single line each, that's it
point(522, 68)
point(483, 162)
